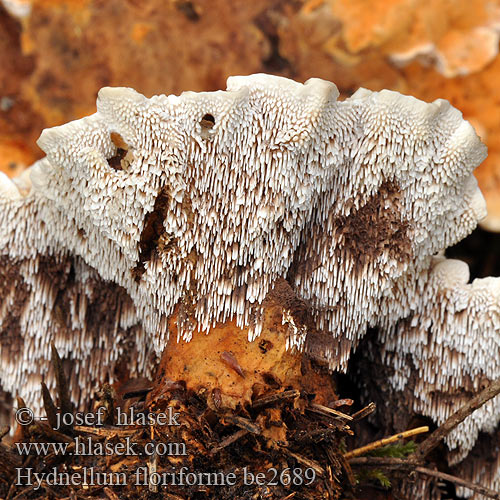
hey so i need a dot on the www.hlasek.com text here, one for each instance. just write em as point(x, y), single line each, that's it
point(85, 446)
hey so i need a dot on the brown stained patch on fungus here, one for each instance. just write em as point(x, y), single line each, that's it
point(464, 41)
point(12, 299)
point(283, 295)
point(118, 141)
point(377, 227)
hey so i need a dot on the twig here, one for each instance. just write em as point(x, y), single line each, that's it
point(50, 457)
point(152, 467)
point(410, 464)
point(23, 429)
point(23, 492)
point(276, 398)
point(329, 482)
point(171, 496)
point(341, 402)
point(364, 412)
point(347, 468)
point(456, 480)
point(229, 440)
point(391, 462)
point(383, 442)
point(243, 423)
point(8, 461)
point(49, 406)
point(62, 386)
point(306, 461)
point(11, 491)
point(105, 431)
point(458, 417)
point(47, 431)
point(316, 436)
point(333, 457)
point(330, 412)
point(137, 393)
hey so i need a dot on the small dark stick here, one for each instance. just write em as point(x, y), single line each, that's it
point(243, 423)
point(330, 412)
point(65, 403)
point(276, 398)
point(137, 393)
point(217, 398)
point(461, 482)
point(341, 402)
point(229, 440)
point(364, 412)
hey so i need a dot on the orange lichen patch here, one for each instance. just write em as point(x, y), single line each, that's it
point(73, 5)
point(371, 24)
point(459, 38)
point(312, 44)
point(460, 53)
point(17, 122)
point(14, 157)
point(140, 31)
point(76, 11)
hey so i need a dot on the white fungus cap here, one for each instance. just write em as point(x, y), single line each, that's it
point(205, 199)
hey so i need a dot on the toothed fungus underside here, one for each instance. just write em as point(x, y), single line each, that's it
point(452, 341)
point(202, 201)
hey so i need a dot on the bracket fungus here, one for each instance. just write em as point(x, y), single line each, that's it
point(193, 207)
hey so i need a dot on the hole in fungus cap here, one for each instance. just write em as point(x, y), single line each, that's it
point(208, 121)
